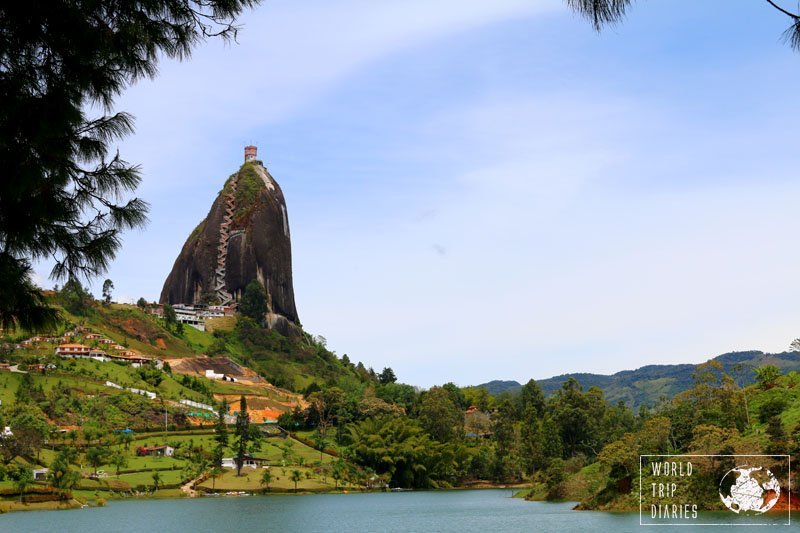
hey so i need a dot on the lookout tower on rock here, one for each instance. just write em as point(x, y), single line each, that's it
point(250, 153)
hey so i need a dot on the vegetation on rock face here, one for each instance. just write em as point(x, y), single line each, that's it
point(249, 185)
point(254, 302)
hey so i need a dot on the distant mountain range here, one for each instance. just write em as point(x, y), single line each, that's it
point(645, 385)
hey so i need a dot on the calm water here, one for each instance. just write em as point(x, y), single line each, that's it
point(451, 511)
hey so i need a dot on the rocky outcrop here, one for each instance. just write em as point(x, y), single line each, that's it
point(244, 237)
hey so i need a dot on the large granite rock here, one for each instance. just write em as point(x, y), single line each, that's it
point(258, 247)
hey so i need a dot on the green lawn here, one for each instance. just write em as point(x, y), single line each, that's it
point(251, 480)
point(9, 382)
point(168, 477)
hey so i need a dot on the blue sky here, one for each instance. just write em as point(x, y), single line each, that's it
point(491, 190)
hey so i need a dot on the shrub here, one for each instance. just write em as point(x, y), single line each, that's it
point(772, 407)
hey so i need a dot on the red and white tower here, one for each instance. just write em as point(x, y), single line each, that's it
point(250, 153)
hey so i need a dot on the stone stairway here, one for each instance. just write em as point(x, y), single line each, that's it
point(223, 295)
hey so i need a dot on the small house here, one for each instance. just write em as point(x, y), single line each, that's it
point(155, 451)
point(249, 462)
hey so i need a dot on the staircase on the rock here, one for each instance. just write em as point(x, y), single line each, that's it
point(222, 251)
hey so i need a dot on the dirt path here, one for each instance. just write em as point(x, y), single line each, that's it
point(187, 488)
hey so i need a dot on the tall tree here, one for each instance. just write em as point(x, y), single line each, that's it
point(247, 436)
point(387, 376)
point(507, 464)
point(296, 476)
point(97, 456)
point(324, 406)
point(254, 301)
point(75, 298)
point(170, 318)
point(119, 460)
point(220, 434)
point(266, 478)
point(441, 417)
point(61, 474)
point(108, 286)
point(64, 193)
point(23, 478)
point(533, 398)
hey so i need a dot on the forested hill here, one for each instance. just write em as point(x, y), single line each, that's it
point(647, 384)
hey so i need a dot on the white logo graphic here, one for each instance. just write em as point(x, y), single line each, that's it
point(749, 489)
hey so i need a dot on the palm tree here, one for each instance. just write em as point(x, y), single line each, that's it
point(266, 479)
point(125, 439)
point(338, 472)
point(215, 473)
point(73, 436)
point(296, 476)
point(23, 478)
point(120, 461)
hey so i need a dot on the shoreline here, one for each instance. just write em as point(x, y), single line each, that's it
point(77, 502)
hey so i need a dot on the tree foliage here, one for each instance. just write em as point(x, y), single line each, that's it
point(387, 376)
point(220, 435)
point(246, 435)
point(767, 375)
point(608, 12)
point(61, 474)
point(254, 301)
point(440, 416)
point(65, 195)
point(108, 286)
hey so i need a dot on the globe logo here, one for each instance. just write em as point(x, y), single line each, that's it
point(749, 489)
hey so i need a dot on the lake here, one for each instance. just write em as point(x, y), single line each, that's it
point(440, 511)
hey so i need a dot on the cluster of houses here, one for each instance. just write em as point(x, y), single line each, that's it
point(80, 351)
point(196, 315)
point(104, 349)
point(71, 350)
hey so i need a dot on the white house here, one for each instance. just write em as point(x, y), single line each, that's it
point(230, 462)
point(198, 405)
point(151, 395)
point(210, 374)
